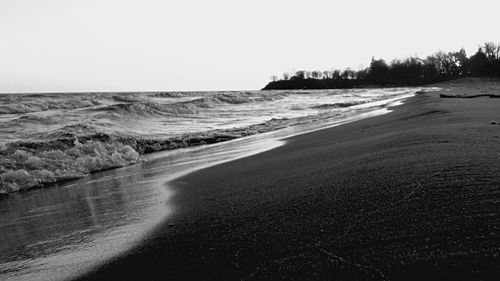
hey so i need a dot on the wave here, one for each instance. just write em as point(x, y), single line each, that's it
point(149, 109)
point(169, 95)
point(70, 154)
point(136, 108)
point(30, 120)
point(29, 165)
point(336, 105)
point(20, 106)
point(143, 107)
point(70, 131)
point(130, 97)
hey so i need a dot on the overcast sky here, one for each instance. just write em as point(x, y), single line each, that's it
point(120, 45)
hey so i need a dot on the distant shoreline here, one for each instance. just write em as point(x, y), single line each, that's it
point(330, 84)
point(411, 71)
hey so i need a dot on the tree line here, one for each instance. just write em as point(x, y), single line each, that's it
point(412, 71)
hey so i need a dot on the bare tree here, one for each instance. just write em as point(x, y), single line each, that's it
point(300, 74)
point(316, 74)
point(491, 50)
point(348, 74)
point(327, 74)
point(336, 74)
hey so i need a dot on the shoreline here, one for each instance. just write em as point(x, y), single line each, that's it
point(23, 175)
point(408, 195)
point(180, 163)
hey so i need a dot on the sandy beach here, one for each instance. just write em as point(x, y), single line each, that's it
point(410, 195)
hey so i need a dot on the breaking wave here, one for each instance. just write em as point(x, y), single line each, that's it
point(169, 95)
point(27, 165)
point(23, 166)
point(130, 97)
point(336, 105)
point(45, 105)
point(72, 152)
point(144, 107)
point(29, 119)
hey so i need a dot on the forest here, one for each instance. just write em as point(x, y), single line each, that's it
point(412, 71)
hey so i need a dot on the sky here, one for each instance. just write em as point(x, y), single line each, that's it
point(148, 45)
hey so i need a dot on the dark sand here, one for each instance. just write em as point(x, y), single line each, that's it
point(411, 195)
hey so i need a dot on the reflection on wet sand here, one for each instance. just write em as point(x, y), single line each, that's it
point(57, 231)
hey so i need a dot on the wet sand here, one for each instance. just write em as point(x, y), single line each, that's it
point(410, 195)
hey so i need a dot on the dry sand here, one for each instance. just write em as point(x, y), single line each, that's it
point(411, 195)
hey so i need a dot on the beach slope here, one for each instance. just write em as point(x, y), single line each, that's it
point(410, 195)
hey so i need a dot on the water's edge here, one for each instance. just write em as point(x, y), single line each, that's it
point(115, 225)
point(54, 138)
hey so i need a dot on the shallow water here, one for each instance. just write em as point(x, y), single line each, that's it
point(50, 234)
